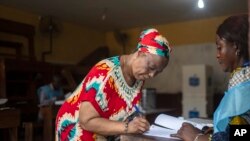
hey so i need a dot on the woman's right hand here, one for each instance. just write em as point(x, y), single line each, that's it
point(138, 125)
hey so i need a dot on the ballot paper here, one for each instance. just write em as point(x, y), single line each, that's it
point(158, 131)
point(165, 125)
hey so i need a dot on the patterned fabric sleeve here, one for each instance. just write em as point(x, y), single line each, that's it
point(246, 117)
point(237, 120)
point(93, 84)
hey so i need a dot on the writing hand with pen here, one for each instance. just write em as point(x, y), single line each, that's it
point(137, 123)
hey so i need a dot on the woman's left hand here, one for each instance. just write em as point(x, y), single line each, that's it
point(187, 132)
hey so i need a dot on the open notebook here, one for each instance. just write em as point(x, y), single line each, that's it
point(165, 125)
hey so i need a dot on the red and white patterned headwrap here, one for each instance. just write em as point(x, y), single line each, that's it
point(152, 42)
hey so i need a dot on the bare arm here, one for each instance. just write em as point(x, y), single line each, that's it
point(91, 120)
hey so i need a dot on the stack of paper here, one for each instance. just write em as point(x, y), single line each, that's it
point(170, 125)
point(158, 131)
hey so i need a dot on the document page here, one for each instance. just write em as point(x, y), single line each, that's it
point(202, 122)
point(166, 125)
point(176, 123)
point(158, 131)
point(169, 121)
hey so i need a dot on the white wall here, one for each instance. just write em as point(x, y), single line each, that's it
point(170, 80)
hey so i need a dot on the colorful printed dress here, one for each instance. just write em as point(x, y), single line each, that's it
point(106, 89)
point(234, 108)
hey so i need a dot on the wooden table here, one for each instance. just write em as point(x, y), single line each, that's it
point(10, 119)
point(144, 138)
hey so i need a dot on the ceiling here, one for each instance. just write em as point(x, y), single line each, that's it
point(122, 14)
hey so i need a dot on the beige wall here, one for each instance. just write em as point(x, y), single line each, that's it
point(192, 42)
point(178, 34)
point(76, 41)
point(70, 46)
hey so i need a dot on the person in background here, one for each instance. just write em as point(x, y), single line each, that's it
point(49, 93)
point(111, 91)
point(234, 108)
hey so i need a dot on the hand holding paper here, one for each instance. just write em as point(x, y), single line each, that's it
point(169, 125)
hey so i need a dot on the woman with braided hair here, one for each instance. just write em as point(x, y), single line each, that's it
point(234, 108)
point(111, 92)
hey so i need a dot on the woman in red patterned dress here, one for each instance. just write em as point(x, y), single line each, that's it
point(110, 93)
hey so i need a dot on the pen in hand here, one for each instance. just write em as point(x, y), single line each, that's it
point(138, 112)
point(139, 120)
